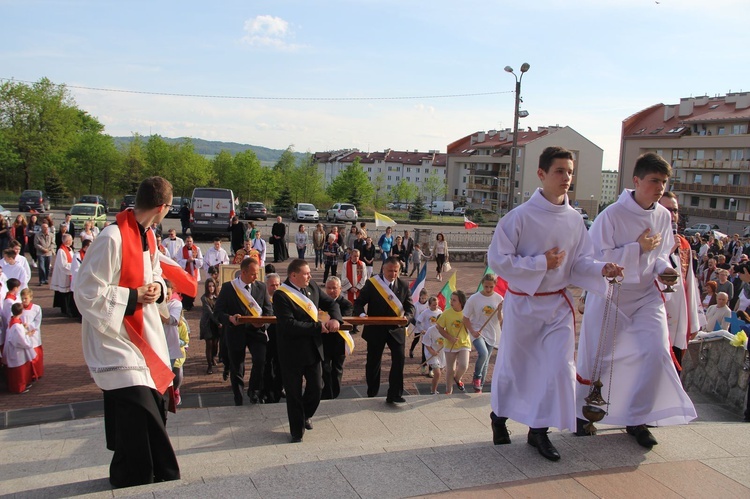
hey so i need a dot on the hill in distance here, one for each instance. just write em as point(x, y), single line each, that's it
point(211, 148)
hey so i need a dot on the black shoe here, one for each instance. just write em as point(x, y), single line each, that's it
point(308, 424)
point(254, 396)
point(581, 431)
point(500, 434)
point(642, 435)
point(225, 374)
point(238, 401)
point(411, 354)
point(395, 400)
point(540, 440)
point(209, 370)
point(296, 440)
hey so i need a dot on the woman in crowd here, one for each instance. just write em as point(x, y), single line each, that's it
point(399, 251)
point(32, 229)
point(440, 252)
point(210, 330)
point(19, 232)
point(386, 244)
point(710, 297)
point(319, 239)
point(300, 240)
point(5, 233)
point(87, 232)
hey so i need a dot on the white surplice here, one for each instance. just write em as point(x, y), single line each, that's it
point(60, 280)
point(645, 386)
point(113, 361)
point(173, 247)
point(685, 313)
point(534, 376)
point(19, 270)
point(18, 347)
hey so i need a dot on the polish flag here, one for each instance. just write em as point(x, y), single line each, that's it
point(468, 224)
point(183, 282)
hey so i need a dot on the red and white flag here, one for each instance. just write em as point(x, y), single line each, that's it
point(468, 224)
point(183, 282)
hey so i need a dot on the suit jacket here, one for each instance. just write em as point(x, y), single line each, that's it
point(335, 341)
point(299, 339)
point(228, 303)
point(378, 307)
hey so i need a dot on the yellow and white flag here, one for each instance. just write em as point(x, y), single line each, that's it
point(383, 221)
point(349, 347)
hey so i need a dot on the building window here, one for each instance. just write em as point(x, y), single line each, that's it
point(455, 192)
point(700, 154)
point(720, 131)
point(408, 170)
point(417, 179)
point(698, 178)
point(715, 180)
point(464, 180)
point(718, 154)
point(389, 177)
point(417, 170)
point(739, 129)
point(733, 179)
point(737, 154)
point(728, 205)
point(678, 154)
point(694, 201)
point(408, 179)
point(660, 152)
point(712, 203)
point(369, 169)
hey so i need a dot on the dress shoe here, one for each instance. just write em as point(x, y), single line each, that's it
point(540, 440)
point(581, 431)
point(296, 440)
point(308, 424)
point(500, 434)
point(642, 435)
point(225, 374)
point(255, 397)
point(395, 400)
point(210, 370)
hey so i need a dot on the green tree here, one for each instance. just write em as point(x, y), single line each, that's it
point(283, 201)
point(284, 167)
point(434, 187)
point(39, 121)
point(10, 162)
point(403, 191)
point(223, 168)
point(159, 157)
point(351, 178)
point(377, 185)
point(55, 187)
point(268, 184)
point(246, 173)
point(418, 210)
point(307, 182)
point(134, 166)
point(92, 161)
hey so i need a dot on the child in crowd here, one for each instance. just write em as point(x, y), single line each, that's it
point(425, 320)
point(450, 324)
point(434, 347)
point(31, 317)
point(11, 297)
point(14, 268)
point(482, 318)
point(171, 331)
point(19, 353)
point(416, 259)
point(419, 307)
point(183, 331)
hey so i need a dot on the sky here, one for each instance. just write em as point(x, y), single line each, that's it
point(334, 74)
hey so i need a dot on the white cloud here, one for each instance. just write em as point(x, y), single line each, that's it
point(269, 31)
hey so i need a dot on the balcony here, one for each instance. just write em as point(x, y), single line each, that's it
point(727, 190)
point(486, 187)
point(709, 213)
point(710, 164)
point(503, 172)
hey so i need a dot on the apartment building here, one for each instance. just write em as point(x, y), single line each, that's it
point(479, 167)
point(384, 169)
point(610, 186)
point(706, 140)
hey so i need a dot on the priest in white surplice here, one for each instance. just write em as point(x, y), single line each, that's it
point(635, 232)
point(540, 248)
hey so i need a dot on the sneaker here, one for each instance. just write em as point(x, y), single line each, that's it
point(460, 385)
point(477, 384)
point(423, 370)
point(33, 264)
point(435, 393)
point(430, 374)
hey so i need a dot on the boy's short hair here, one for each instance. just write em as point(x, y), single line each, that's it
point(153, 192)
point(217, 238)
point(9, 252)
point(27, 292)
point(432, 299)
point(13, 243)
point(550, 154)
point(13, 283)
point(16, 309)
point(651, 162)
point(213, 270)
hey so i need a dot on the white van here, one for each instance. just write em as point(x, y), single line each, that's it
point(441, 208)
point(211, 210)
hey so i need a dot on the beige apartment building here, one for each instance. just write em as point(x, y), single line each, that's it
point(706, 140)
point(479, 166)
point(610, 186)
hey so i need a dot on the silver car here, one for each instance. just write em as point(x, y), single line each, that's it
point(342, 212)
point(305, 212)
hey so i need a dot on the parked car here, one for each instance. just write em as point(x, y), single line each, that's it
point(81, 212)
point(5, 213)
point(342, 212)
point(703, 230)
point(177, 202)
point(33, 199)
point(442, 208)
point(128, 201)
point(211, 211)
point(305, 212)
point(95, 199)
point(460, 211)
point(253, 210)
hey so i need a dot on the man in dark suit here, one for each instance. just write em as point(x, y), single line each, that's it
point(244, 296)
point(278, 238)
point(409, 249)
point(299, 336)
point(377, 337)
point(334, 347)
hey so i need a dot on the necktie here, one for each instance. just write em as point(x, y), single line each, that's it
point(247, 287)
point(393, 286)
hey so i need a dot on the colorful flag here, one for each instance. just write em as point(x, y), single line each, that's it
point(183, 282)
point(444, 297)
point(468, 224)
point(418, 285)
point(383, 221)
point(500, 288)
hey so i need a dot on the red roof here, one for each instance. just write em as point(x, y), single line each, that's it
point(465, 147)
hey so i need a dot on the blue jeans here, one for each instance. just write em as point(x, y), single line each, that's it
point(43, 262)
point(484, 350)
point(301, 253)
point(318, 257)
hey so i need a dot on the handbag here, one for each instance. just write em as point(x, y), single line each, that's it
point(447, 267)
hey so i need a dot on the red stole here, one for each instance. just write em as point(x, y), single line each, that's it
point(189, 266)
point(14, 320)
point(352, 292)
point(131, 277)
point(68, 254)
point(29, 307)
point(10, 296)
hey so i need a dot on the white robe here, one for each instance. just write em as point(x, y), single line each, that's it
point(19, 270)
point(534, 376)
point(60, 280)
point(645, 386)
point(215, 257)
point(173, 247)
point(18, 347)
point(33, 320)
point(197, 260)
point(113, 361)
point(75, 266)
point(685, 313)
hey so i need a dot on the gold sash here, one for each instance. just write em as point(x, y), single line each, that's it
point(301, 301)
point(247, 299)
point(388, 295)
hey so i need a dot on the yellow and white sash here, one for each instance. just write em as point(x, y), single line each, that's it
point(388, 295)
point(301, 301)
point(246, 298)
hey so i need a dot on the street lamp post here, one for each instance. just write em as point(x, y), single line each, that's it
point(514, 150)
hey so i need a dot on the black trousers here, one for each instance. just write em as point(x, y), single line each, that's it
point(135, 427)
point(334, 356)
point(375, 346)
point(272, 378)
point(299, 405)
point(187, 302)
point(236, 352)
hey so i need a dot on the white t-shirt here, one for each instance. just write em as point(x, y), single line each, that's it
point(432, 338)
point(427, 318)
point(478, 308)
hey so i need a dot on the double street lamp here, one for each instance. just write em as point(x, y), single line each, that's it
point(514, 150)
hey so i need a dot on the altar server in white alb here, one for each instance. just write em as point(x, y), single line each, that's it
point(635, 232)
point(540, 248)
